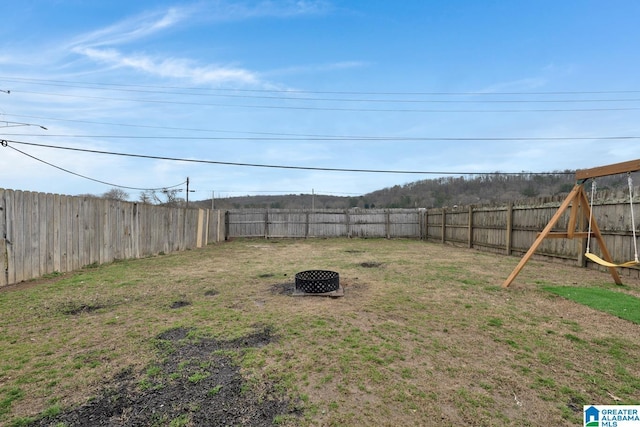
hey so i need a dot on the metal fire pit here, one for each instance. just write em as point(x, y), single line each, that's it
point(317, 281)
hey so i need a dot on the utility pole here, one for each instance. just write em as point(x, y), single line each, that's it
point(189, 191)
point(313, 200)
point(212, 196)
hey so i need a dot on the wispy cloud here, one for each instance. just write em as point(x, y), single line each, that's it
point(150, 23)
point(100, 46)
point(243, 10)
point(131, 29)
point(177, 68)
point(108, 46)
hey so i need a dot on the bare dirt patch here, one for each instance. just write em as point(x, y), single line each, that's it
point(282, 288)
point(371, 264)
point(75, 308)
point(179, 304)
point(197, 384)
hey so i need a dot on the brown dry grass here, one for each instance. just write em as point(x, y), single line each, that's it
point(423, 336)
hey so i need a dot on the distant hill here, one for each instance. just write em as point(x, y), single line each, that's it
point(428, 193)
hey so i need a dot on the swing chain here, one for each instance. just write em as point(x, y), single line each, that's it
point(633, 220)
point(593, 195)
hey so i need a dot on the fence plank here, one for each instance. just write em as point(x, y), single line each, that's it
point(47, 233)
point(56, 225)
point(4, 250)
point(77, 240)
point(16, 259)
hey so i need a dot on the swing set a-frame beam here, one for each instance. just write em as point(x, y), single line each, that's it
point(578, 202)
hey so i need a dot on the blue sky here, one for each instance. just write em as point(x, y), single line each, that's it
point(460, 86)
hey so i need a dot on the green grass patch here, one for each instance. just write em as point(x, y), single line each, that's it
point(616, 303)
point(215, 390)
point(183, 420)
point(8, 397)
point(495, 322)
point(199, 376)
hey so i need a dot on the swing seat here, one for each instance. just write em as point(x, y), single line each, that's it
point(595, 258)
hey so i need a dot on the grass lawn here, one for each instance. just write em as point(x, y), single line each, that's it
point(424, 334)
point(617, 303)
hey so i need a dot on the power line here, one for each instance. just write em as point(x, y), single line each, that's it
point(282, 136)
point(136, 125)
point(19, 124)
point(289, 91)
point(205, 93)
point(257, 165)
point(337, 138)
point(4, 144)
point(344, 109)
point(301, 136)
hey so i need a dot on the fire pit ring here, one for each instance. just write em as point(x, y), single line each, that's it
point(317, 281)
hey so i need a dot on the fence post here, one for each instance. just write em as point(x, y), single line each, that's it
point(426, 224)
point(214, 222)
point(226, 225)
point(509, 237)
point(470, 226)
point(347, 221)
point(218, 214)
point(266, 224)
point(387, 223)
point(135, 227)
point(306, 224)
point(444, 224)
point(207, 224)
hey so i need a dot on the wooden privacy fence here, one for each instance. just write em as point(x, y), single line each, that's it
point(273, 223)
point(508, 229)
point(45, 233)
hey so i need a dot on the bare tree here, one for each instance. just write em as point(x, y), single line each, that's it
point(116, 194)
point(166, 197)
point(172, 198)
point(148, 197)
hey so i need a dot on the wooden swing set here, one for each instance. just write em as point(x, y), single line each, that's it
point(578, 202)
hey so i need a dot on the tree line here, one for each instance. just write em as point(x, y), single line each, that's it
point(428, 193)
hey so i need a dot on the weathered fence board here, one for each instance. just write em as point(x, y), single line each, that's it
point(45, 233)
point(215, 226)
point(403, 223)
point(4, 256)
point(328, 223)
